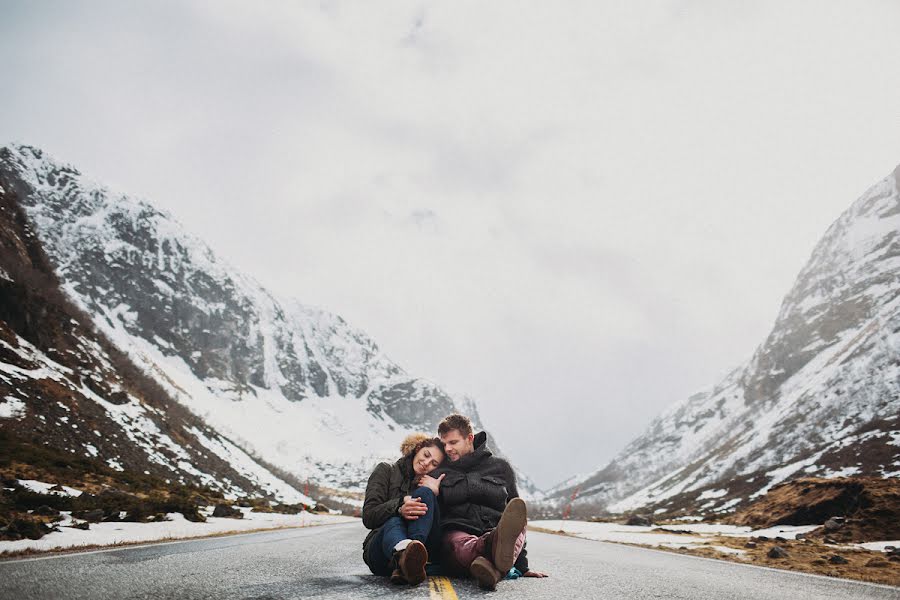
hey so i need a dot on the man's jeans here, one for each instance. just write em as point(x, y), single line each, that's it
point(424, 529)
point(461, 548)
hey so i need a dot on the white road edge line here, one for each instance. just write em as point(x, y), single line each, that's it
point(73, 551)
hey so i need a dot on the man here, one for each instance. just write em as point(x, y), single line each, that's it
point(483, 520)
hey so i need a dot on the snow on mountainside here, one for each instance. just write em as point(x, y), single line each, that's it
point(292, 384)
point(820, 396)
point(65, 386)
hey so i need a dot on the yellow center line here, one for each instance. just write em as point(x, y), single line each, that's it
point(440, 588)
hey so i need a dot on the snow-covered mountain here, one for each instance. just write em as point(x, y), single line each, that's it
point(295, 385)
point(820, 396)
point(65, 386)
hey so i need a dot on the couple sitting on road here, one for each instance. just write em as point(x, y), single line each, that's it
point(464, 511)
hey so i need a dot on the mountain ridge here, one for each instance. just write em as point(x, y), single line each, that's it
point(293, 384)
point(64, 385)
point(819, 396)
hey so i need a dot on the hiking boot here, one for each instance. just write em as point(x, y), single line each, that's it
point(397, 578)
point(412, 562)
point(485, 573)
point(503, 541)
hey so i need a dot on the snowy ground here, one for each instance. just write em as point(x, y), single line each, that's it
point(633, 534)
point(105, 534)
point(705, 532)
point(880, 546)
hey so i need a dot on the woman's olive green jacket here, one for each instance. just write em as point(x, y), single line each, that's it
point(388, 485)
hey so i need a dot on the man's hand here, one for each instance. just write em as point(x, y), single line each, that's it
point(530, 573)
point(413, 508)
point(431, 483)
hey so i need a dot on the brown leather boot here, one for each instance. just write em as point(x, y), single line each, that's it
point(397, 577)
point(503, 541)
point(412, 562)
point(485, 573)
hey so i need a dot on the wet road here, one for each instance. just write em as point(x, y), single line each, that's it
point(326, 562)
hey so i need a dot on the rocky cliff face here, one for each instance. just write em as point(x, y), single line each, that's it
point(293, 384)
point(820, 396)
point(64, 385)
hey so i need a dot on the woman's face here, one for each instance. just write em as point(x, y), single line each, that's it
point(427, 460)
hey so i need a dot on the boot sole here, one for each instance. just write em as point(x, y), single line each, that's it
point(512, 522)
point(412, 565)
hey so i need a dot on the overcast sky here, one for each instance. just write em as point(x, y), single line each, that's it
point(577, 213)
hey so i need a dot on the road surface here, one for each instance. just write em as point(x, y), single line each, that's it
point(326, 562)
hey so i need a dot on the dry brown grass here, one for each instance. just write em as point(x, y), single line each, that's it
point(871, 507)
point(809, 556)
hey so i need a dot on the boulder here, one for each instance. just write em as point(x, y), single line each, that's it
point(46, 511)
point(877, 562)
point(639, 520)
point(26, 528)
point(837, 559)
point(93, 516)
point(227, 511)
point(777, 552)
point(834, 523)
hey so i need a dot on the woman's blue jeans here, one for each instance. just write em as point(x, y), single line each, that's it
point(425, 529)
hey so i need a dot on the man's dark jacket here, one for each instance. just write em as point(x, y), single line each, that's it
point(475, 492)
point(388, 485)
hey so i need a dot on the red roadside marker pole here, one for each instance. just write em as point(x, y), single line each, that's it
point(568, 510)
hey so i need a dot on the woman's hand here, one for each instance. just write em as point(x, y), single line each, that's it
point(431, 483)
point(412, 508)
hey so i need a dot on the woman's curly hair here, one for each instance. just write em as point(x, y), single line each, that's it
point(416, 441)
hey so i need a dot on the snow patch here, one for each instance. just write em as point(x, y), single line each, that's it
point(655, 536)
point(879, 546)
point(712, 494)
point(177, 526)
point(248, 467)
point(844, 472)
point(12, 408)
point(42, 487)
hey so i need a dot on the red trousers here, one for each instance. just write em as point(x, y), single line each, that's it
point(461, 548)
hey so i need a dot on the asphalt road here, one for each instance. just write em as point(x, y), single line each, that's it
point(326, 562)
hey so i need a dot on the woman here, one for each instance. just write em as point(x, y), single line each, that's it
point(401, 510)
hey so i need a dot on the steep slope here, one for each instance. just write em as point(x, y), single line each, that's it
point(295, 385)
point(64, 385)
point(820, 396)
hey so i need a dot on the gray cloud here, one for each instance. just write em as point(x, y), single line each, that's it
point(575, 213)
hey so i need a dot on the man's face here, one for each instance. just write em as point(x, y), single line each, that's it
point(457, 445)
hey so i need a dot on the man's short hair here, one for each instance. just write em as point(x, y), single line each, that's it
point(455, 421)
